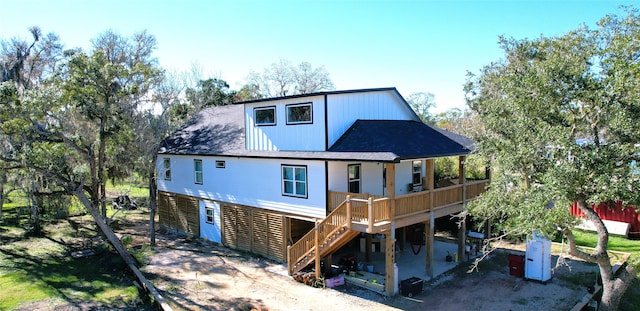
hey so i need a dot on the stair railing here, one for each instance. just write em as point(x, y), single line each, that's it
point(340, 217)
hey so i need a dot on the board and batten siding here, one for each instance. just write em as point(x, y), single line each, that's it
point(371, 176)
point(284, 137)
point(371, 180)
point(344, 109)
point(246, 181)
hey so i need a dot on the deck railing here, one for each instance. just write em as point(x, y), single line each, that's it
point(409, 204)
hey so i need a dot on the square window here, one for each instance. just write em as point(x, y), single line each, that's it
point(299, 114)
point(265, 116)
point(209, 211)
point(294, 181)
point(197, 171)
point(167, 168)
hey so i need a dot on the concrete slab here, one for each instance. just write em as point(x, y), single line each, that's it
point(410, 262)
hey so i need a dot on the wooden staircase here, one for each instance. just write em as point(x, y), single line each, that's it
point(326, 237)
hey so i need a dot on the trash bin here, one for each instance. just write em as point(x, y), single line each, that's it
point(516, 265)
point(411, 286)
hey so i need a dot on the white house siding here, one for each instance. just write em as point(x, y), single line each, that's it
point(283, 137)
point(404, 175)
point(244, 181)
point(344, 109)
point(371, 180)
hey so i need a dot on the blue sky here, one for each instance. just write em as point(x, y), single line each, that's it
point(416, 46)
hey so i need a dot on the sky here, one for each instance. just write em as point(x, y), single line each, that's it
point(415, 46)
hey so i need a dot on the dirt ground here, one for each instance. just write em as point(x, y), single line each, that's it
point(197, 275)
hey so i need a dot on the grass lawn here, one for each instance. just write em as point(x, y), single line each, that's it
point(631, 299)
point(41, 270)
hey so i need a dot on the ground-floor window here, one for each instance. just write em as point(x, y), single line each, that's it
point(209, 213)
point(294, 181)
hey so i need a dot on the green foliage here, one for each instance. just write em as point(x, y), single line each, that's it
point(543, 97)
point(421, 103)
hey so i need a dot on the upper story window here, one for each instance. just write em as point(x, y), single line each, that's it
point(221, 164)
point(166, 165)
point(197, 171)
point(294, 181)
point(264, 116)
point(299, 113)
point(417, 172)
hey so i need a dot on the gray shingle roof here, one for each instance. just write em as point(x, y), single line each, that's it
point(213, 131)
point(406, 139)
point(220, 131)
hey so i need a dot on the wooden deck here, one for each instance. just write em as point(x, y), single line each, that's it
point(352, 213)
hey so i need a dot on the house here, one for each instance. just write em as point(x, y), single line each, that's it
point(295, 178)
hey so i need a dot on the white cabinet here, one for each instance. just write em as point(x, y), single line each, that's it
point(538, 258)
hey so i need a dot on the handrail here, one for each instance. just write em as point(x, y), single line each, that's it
point(325, 228)
point(370, 210)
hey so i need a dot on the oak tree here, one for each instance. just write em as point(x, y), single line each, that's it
point(560, 126)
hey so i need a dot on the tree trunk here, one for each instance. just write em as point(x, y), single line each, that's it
point(152, 199)
point(613, 285)
point(3, 180)
point(35, 216)
point(120, 248)
point(100, 168)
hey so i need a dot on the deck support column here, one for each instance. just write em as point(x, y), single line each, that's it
point(367, 247)
point(317, 251)
point(462, 238)
point(429, 230)
point(390, 285)
point(462, 227)
point(429, 227)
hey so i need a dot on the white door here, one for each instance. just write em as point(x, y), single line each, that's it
point(533, 268)
point(210, 221)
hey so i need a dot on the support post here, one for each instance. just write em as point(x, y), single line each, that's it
point(429, 233)
point(391, 189)
point(370, 210)
point(462, 238)
point(462, 231)
point(349, 211)
point(390, 262)
point(430, 174)
point(317, 250)
point(367, 247)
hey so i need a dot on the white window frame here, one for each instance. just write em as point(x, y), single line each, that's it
point(166, 165)
point(198, 173)
point(221, 164)
point(258, 109)
point(295, 182)
point(293, 122)
point(209, 213)
point(354, 179)
point(416, 164)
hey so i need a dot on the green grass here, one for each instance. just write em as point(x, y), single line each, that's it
point(131, 190)
point(40, 268)
point(616, 243)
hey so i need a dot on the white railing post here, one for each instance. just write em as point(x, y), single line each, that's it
point(348, 200)
point(370, 207)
